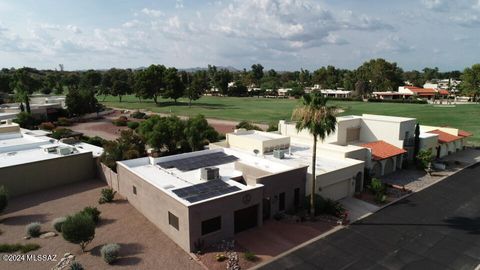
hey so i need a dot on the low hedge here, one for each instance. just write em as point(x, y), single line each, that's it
point(409, 101)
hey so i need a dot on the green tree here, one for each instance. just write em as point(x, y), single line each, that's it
point(81, 101)
point(319, 119)
point(199, 133)
point(471, 81)
point(222, 79)
point(425, 159)
point(380, 75)
point(79, 229)
point(128, 146)
point(174, 87)
point(257, 74)
point(72, 81)
point(25, 84)
point(197, 86)
point(150, 83)
point(163, 133)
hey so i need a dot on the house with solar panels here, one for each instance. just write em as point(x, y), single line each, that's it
point(203, 197)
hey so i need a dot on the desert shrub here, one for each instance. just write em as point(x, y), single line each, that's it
point(93, 212)
point(138, 115)
point(247, 125)
point(11, 248)
point(250, 256)
point(25, 120)
point(272, 127)
point(133, 125)
point(58, 222)
point(76, 266)
point(120, 121)
point(63, 121)
point(47, 126)
point(34, 229)
point(377, 188)
point(60, 133)
point(95, 140)
point(325, 206)
point(107, 195)
point(79, 229)
point(110, 252)
point(219, 257)
point(3, 198)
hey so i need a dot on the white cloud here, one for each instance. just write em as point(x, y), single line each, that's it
point(179, 4)
point(393, 43)
point(152, 12)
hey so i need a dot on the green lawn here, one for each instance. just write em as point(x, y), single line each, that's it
point(262, 110)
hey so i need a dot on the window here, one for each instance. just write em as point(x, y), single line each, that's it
point(134, 190)
point(281, 202)
point(173, 220)
point(211, 225)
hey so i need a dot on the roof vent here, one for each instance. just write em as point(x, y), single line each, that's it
point(209, 174)
point(280, 153)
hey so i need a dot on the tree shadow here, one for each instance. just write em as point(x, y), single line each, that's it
point(470, 225)
point(194, 104)
point(105, 221)
point(24, 219)
point(119, 201)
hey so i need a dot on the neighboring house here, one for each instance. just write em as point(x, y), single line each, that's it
point(332, 93)
point(424, 93)
point(449, 140)
point(41, 106)
point(30, 161)
point(203, 197)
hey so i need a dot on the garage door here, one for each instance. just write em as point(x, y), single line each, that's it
point(246, 218)
point(336, 191)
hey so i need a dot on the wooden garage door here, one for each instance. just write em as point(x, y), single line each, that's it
point(337, 191)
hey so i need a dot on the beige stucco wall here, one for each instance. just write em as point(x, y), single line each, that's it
point(237, 140)
point(35, 176)
point(388, 131)
point(244, 143)
point(342, 129)
point(155, 204)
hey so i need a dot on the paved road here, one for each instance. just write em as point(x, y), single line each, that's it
point(437, 228)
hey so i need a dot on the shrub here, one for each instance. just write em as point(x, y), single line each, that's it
point(107, 195)
point(247, 125)
point(272, 127)
point(76, 266)
point(378, 190)
point(120, 121)
point(110, 252)
point(95, 140)
point(138, 115)
point(219, 257)
point(58, 222)
point(250, 256)
point(47, 126)
point(34, 229)
point(63, 121)
point(11, 248)
point(93, 212)
point(25, 120)
point(133, 125)
point(79, 229)
point(3, 198)
point(60, 133)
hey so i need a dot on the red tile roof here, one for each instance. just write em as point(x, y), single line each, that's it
point(463, 133)
point(443, 92)
point(444, 137)
point(382, 150)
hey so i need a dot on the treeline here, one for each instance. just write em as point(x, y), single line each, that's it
point(158, 81)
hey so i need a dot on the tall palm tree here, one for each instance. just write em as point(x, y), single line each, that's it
point(319, 119)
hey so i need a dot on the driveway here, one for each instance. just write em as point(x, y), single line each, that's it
point(436, 228)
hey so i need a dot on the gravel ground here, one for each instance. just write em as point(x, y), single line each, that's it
point(143, 246)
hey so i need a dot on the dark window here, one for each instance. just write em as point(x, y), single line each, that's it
point(296, 197)
point(173, 220)
point(281, 202)
point(211, 225)
point(134, 190)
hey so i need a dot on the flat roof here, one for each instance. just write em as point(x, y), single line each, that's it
point(258, 135)
point(386, 118)
point(170, 179)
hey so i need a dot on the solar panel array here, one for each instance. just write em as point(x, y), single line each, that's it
point(205, 190)
point(197, 162)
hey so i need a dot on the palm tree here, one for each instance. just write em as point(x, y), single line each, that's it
point(319, 119)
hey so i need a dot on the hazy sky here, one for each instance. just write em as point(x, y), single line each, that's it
point(280, 34)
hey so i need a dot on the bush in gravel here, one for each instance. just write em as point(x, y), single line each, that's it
point(120, 121)
point(11, 248)
point(79, 229)
point(110, 252)
point(34, 229)
point(250, 256)
point(76, 266)
point(133, 125)
point(107, 195)
point(3, 198)
point(137, 115)
point(58, 222)
point(93, 212)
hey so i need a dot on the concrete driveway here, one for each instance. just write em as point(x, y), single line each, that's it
point(436, 228)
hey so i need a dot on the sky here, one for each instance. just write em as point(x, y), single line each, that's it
point(279, 34)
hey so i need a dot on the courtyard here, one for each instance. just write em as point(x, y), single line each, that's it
point(143, 246)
